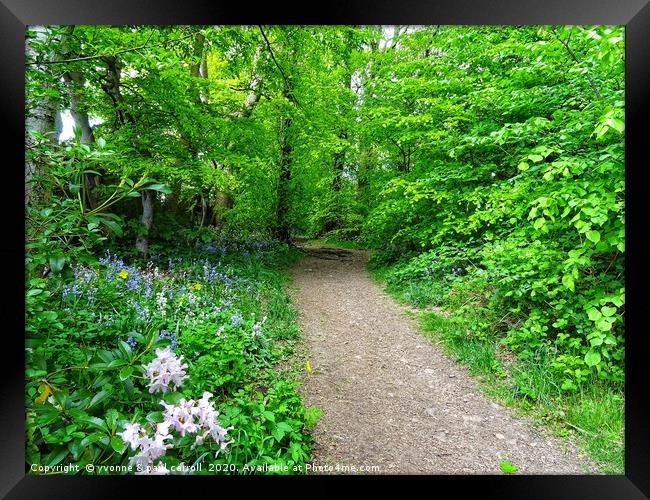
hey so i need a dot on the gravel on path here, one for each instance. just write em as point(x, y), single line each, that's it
point(392, 402)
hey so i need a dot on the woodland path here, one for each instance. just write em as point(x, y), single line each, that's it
point(389, 397)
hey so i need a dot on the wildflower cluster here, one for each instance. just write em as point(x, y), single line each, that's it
point(257, 327)
point(132, 343)
point(239, 243)
point(171, 336)
point(70, 290)
point(186, 417)
point(236, 320)
point(212, 274)
point(198, 417)
point(82, 283)
point(165, 369)
point(149, 448)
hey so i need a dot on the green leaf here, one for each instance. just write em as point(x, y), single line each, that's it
point(56, 456)
point(117, 362)
point(117, 444)
point(539, 223)
point(173, 398)
point(592, 358)
point(604, 324)
point(56, 263)
point(593, 236)
point(126, 372)
point(278, 434)
point(99, 397)
point(163, 188)
point(95, 422)
point(596, 341)
point(594, 314)
point(568, 385)
point(92, 438)
point(125, 348)
point(49, 315)
point(285, 427)
point(616, 124)
point(608, 311)
point(155, 417)
point(112, 416)
point(75, 449)
point(569, 282)
point(113, 226)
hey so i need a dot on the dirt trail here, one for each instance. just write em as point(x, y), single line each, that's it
point(392, 399)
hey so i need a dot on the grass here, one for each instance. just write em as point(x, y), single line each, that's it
point(594, 416)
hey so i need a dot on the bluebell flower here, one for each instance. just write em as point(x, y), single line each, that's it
point(141, 313)
point(133, 281)
point(83, 274)
point(70, 289)
point(236, 320)
point(91, 295)
point(164, 334)
point(106, 258)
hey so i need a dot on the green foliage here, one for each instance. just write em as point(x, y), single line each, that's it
point(525, 201)
point(64, 227)
point(507, 467)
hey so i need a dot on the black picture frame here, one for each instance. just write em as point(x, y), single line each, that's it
point(15, 15)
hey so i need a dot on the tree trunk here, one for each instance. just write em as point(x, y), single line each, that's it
point(286, 149)
point(255, 87)
point(75, 83)
point(199, 69)
point(111, 85)
point(334, 221)
point(223, 203)
point(40, 117)
point(142, 241)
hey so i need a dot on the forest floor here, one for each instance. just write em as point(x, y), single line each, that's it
point(391, 400)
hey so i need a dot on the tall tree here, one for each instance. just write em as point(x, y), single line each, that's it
point(42, 97)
